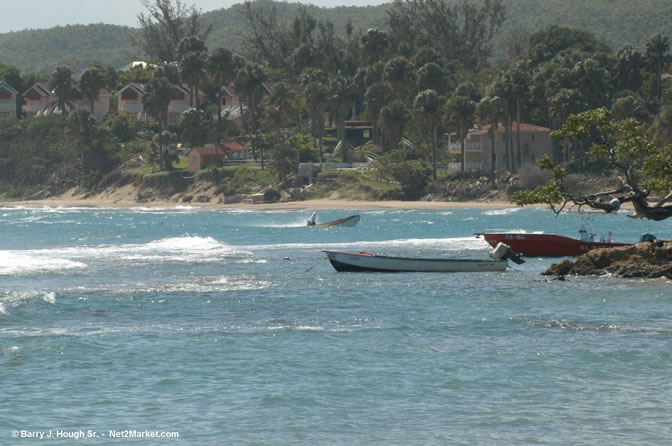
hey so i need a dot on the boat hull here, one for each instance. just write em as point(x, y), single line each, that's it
point(365, 262)
point(347, 222)
point(546, 245)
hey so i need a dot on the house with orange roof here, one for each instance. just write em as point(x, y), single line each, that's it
point(235, 151)
point(535, 142)
point(7, 100)
point(202, 157)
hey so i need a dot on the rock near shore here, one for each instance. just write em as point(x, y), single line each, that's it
point(645, 260)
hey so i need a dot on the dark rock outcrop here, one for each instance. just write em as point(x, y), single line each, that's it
point(646, 260)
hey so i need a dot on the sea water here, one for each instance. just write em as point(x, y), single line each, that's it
point(229, 327)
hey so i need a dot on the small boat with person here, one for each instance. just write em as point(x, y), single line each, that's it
point(367, 262)
point(346, 221)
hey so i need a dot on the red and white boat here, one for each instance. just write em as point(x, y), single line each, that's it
point(540, 244)
point(546, 245)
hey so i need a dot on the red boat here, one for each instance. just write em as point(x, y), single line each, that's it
point(546, 245)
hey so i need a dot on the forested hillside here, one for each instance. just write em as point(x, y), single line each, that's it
point(615, 22)
point(76, 46)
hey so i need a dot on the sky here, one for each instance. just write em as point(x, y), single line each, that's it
point(41, 14)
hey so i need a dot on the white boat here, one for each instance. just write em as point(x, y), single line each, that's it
point(347, 221)
point(367, 262)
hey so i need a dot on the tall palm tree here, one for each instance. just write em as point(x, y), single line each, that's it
point(192, 63)
point(220, 64)
point(394, 118)
point(520, 81)
point(376, 97)
point(564, 103)
point(250, 86)
point(656, 51)
point(503, 88)
point(60, 82)
point(374, 42)
point(316, 101)
point(155, 101)
point(431, 77)
point(427, 111)
point(489, 111)
point(459, 112)
point(400, 74)
point(91, 81)
point(339, 101)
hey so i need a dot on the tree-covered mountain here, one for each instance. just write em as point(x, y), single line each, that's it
point(614, 22)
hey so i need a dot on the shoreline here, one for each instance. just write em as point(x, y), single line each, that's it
point(69, 202)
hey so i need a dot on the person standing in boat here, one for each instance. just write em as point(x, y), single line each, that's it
point(312, 221)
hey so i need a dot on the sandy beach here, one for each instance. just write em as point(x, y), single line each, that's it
point(69, 201)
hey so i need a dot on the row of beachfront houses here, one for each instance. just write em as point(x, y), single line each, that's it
point(40, 100)
point(535, 141)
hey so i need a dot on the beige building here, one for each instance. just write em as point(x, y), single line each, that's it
point(535, 142)
point(40, 100)
point(7, 100)
point(130, 102)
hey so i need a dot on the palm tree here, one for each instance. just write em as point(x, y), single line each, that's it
point(155, 101)
point(339, 100)
point(400, 74)
point(376, 97)
point(394, 117)
point(459, 112)
point(656, 51)
point(520, 81)
point(91, 81)
point(192, 63)
point(431, 77)
point(489, 111)
point(316, 101)
point(280, 110)
point(220, 64)
point(427, 110)
point(564, 103)
point(250, 86)
point(374, 43)
point(61, 83)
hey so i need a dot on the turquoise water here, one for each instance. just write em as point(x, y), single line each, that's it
point(228, 327)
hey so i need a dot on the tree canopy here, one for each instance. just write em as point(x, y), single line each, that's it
point(645, 167)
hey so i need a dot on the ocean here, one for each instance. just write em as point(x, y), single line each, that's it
point(174, 326)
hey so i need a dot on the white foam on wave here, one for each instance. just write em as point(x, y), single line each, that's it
point(16, 298)
point(35, 261)
point(195, 285)
point(444, 244)
point(506, 211)
point(185, 249)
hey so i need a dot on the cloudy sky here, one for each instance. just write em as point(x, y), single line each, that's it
point(39, 14)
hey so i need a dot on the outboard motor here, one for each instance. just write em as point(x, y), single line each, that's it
point(504, 252)
point(646, 237)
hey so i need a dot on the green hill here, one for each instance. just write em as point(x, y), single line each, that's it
point(615, 22)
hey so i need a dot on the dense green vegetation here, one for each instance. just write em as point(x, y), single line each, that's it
point(432, 69)
point(614, 22)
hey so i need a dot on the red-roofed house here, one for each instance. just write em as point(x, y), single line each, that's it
point(7, 100)
point(535, 142)
point(236, 151)
point(41, 101)
point(231, 100)
point(202, 157)
point(38, 98)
